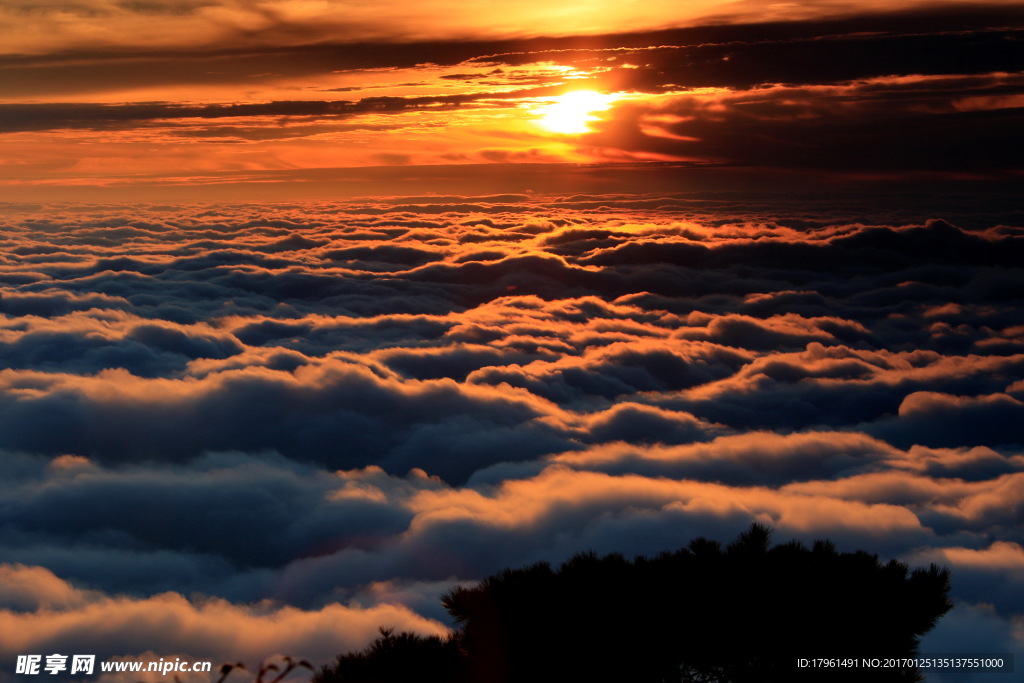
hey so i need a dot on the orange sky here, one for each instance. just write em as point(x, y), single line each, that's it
point(123, 100)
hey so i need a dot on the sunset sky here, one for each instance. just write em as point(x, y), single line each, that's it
point(289, 99)
point(312, 309)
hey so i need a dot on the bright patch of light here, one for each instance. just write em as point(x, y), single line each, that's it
point(572, 113)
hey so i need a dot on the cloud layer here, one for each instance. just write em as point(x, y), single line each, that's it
point(306, 421)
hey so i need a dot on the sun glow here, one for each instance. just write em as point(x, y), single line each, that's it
point(572, 113)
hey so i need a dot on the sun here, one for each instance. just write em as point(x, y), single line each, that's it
point(572, 112)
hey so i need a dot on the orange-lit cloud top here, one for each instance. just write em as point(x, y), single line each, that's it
point(202, 628)
point(261, 93)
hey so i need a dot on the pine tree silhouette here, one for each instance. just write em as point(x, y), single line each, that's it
point(405, 657)
point(702, 614)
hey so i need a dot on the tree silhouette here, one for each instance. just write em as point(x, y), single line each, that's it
point(702, 614)
point(403, 658)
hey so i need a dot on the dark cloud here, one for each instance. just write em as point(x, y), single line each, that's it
point(938, 419)
point(900, 123)
point(195, 515)
point(24, 117)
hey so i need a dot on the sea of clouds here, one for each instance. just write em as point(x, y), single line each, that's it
point(233, 431)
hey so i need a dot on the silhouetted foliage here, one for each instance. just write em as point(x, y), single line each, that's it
point(402, 658)
point(265, 670)
point(739, 614)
